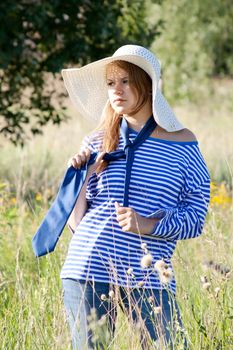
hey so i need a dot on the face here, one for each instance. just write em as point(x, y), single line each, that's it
point(121, 95)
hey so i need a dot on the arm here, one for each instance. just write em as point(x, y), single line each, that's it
point(80, 207)
point(186, 220)
point(130, 221)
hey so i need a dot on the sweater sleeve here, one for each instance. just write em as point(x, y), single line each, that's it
point(186, 219)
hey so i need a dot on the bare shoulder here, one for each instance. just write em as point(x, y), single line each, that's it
point(185, 135)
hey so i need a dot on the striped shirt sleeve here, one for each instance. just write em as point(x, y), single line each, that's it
point(92, 142)
point(186, 219)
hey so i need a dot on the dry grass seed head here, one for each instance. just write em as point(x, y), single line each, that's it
point(103, 297)
point(129, 271)
point(157, 310)
point(146, 261)
point(111, 294)
point(206, 286)
point(217, 291)
point(141, 283)
point(151, 299)
point(204, 279)
point(144, 246)
point(160, 265)
point(166, 276)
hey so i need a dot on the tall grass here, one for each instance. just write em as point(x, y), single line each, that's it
point(31, 308)
point(32, 315)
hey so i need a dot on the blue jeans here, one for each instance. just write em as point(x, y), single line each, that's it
point(153, 310)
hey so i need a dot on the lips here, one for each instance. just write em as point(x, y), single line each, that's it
point(118, 100)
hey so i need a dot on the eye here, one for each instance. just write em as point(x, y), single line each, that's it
point(125, 81)
point(110, 83)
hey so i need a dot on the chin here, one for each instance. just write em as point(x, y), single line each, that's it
point(120, 110)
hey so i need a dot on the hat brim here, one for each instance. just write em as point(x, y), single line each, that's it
point(88, 92)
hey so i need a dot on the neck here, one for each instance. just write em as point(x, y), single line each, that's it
point(138, 120)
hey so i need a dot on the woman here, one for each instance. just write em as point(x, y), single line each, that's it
point(149, 191)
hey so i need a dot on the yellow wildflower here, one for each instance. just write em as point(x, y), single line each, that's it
point(13, 201)
point(219, 195)
point(38, 197)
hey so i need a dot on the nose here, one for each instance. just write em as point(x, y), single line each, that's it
point(118, 88)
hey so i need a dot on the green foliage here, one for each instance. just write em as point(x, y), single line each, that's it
point(196, 42)
point(41, 37)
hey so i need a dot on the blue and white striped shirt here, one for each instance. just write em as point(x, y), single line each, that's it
point(170, 181)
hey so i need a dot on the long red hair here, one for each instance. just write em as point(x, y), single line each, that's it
point(141, 83)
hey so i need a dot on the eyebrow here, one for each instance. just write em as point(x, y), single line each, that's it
point(126, 77)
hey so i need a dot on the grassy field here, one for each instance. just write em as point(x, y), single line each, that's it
point(31, 310)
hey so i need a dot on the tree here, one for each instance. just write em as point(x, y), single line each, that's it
point(196, 43)
point(40, 37)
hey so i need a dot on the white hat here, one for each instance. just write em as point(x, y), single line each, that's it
point(87, 86)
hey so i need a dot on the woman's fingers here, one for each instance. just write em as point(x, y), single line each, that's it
point(117, 206)
point(127, 218)
point(124, 216)
point(80, 159)
point(125, 222)
point(122, 210)
point(83, 157)
point(123, 213)
point(88, 154)
point(75, 161)
point(100, 157)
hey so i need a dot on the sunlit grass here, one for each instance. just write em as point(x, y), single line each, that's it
point(31, 309)
point(32, 314)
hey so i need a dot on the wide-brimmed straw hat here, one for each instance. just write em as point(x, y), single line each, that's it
point(87, 86)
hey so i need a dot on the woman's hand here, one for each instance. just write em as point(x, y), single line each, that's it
point(130, 221)
point(79, 159)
